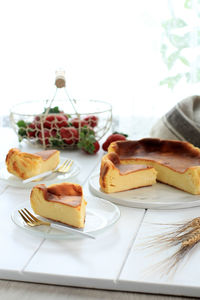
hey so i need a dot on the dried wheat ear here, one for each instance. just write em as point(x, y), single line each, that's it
point(182, 236)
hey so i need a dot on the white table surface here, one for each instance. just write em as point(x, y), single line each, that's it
point(110, 267)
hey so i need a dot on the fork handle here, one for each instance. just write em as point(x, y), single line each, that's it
point(37, 176)
point(71, 230)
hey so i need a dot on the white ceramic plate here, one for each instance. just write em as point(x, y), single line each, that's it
point(12, 180)
point(100, 214)
point(158, 196)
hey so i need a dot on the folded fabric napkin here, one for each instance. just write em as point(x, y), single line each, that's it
point(182, 122)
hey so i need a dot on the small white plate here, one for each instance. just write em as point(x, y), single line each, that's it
point(157, 196)
point(59, 177)
point(100, 214)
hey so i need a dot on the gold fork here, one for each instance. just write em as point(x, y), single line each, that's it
point(64, 168)
point(32, 221)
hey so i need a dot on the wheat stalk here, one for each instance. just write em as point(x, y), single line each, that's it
point(184, 236)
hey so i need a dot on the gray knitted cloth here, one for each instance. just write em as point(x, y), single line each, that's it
point(182, 122)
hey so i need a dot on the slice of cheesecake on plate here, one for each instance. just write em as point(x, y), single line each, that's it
point(25, 165)
point(62, 202)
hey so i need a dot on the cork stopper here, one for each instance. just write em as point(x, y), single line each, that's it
point(60, 79)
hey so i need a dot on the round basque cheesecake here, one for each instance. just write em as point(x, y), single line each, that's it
point(177, 163)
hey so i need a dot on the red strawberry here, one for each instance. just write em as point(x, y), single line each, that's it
point(69, 135)
point(96, 147)
point(112, 138)
point(48, 122)
point(31, 130)
point(46, 136)
point(91, 120)
point(66, 116)
point(53, 133)
point(76, 122)
point(37, 119)
point(61, 121)
point(92, 148)
point(37, 122)
point(58, 121)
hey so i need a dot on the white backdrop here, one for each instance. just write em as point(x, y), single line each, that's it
point(110, 50)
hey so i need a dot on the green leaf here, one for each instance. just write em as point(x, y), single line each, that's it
point(171, 81)
point(180, 42)
point(22, 133)
point(86, 142)
point(173, 23)
point(21, 123)
point(52, 110)
point(184, 61)
point(172, 59)
point(56, 142)
point(85, 130)
point(124, 134)
point(188, 4)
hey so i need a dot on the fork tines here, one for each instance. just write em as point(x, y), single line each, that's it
point(67, 165)
point(27, 216)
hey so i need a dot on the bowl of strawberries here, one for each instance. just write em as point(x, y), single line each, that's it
point(62, 125)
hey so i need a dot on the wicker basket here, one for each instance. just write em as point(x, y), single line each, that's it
point(60, 123)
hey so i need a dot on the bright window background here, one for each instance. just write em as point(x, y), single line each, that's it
point(109, 49)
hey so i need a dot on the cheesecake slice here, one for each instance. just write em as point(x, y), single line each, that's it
point(26, 165)
point(117, 177)
point(62, 202)
point(177, 163)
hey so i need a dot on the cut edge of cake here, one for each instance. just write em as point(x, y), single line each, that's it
point(113, 178)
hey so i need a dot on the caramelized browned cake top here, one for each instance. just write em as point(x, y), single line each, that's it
point(177, 155)
point(127, 168)
point(45, 154)
point(66, 193)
